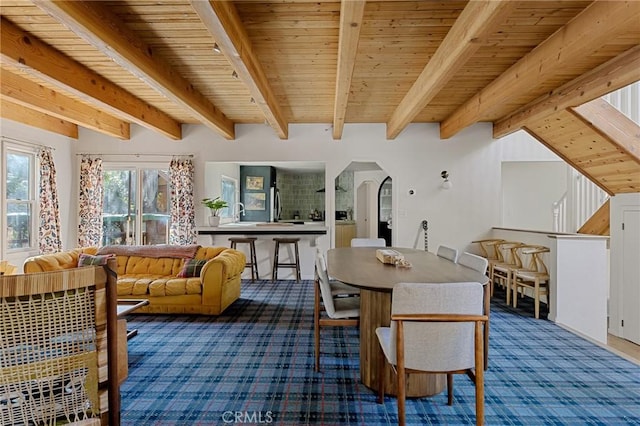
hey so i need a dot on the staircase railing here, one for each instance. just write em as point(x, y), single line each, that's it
point(582, 199)
point(560, 214)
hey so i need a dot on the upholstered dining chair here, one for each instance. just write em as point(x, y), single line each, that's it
point(338, 310)
point(368, 242)
point(447, 253)
point(474, 262)
point(435, 328)
point(338, 288)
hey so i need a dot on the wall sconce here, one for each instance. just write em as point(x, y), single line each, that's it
point(446, 184)
point(234, 74)
point(216, 48)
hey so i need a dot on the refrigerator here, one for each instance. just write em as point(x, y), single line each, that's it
point(259, 194)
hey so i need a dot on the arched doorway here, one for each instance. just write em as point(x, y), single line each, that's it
point(384, 210)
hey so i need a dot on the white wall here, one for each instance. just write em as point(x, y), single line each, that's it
point(529, 189)
point(414, 160)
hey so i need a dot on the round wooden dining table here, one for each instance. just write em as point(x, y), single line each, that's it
point(359, 267)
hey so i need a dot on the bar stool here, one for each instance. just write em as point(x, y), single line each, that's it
point(276, 262)
point(252, 261)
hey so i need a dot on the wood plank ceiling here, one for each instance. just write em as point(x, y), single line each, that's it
point(104, 65)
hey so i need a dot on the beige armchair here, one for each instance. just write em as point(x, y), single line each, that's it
point(338, 310)
point(435, 328)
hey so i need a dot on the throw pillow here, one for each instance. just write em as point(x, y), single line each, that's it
point(192, 268)
point(91, 260)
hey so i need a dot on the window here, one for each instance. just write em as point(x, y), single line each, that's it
point(229, 193)
point(19, 199)
point(136, 206)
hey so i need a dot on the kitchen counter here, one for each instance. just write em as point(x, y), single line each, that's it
point(312, 235)
point(265, 228)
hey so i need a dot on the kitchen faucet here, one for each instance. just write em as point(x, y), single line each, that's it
point(238, 211)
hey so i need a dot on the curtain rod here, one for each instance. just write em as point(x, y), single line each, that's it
point(30, 144)
point(136, 155)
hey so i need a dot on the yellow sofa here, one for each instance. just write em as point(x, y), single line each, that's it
point(156, 278)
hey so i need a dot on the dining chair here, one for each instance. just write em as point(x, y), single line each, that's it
point(338, 288)
point(474, 262)
point(339, 310)
point(435, 328)
point(447, 253)
point(488, 247)
point(368, 242)
point(500, 271)
point(488, 250)
point(535, 277)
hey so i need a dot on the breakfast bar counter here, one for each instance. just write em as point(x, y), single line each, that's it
point(265, 228)
point(311, 234)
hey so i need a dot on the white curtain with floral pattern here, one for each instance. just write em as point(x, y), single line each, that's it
point(183, 215)
point(90, 202)
point(49, 226)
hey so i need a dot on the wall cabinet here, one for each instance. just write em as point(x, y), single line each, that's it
point(344, 233)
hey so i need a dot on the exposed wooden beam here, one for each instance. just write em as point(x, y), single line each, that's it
point(568, 160)
point(20, 49)
point(614, 74)
point(478, 20)
point(223, 23)
point(595, 26)
point(611, 123)
point(24, 92)
point(98, 26)
point(351, 15)
point(30, 117)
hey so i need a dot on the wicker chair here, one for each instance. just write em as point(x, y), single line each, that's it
point(55, 328)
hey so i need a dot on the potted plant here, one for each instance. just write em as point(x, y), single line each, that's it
point(215, 205)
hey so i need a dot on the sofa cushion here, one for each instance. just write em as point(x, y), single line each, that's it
point(192, 268)
point(90, 260)
point(153, 285)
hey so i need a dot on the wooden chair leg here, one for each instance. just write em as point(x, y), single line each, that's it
point(479, 374)
point(401, 375)
point(449, 389)
point(536, 298)
point(401, 396)
point(316, 324)
point(381, 377)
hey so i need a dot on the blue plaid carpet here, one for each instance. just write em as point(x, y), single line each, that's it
point(254, 365)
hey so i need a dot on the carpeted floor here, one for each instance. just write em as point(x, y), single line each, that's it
point(254, 365)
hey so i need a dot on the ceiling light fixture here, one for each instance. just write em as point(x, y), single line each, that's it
point(216, 48)
point(253, 101)
point(234, 74)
